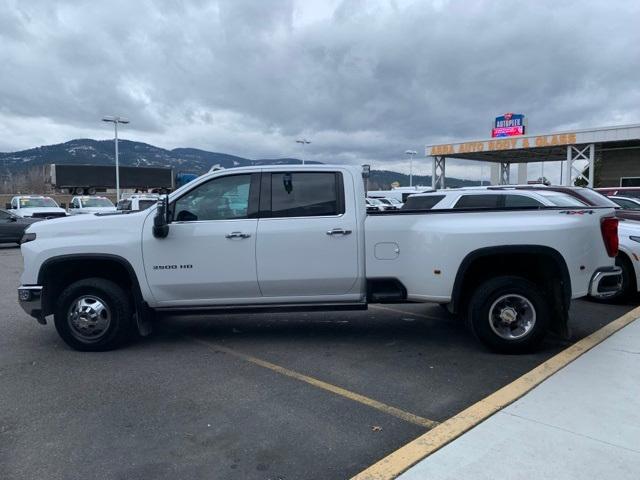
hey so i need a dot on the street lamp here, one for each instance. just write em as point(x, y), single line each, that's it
point(304, 142)
point(116, 121)
point(411, 153)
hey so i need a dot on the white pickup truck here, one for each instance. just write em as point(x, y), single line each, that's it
point(299, 237)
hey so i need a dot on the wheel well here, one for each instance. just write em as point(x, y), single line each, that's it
point(632, 272)
point(541, 265)
point(56, 274)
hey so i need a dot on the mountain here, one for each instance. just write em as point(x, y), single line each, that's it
point(382, 180)
point(101, 152)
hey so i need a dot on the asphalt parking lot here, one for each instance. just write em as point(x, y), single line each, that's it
point(287, 396)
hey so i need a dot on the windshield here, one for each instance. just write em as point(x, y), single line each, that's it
point(384, 200)
point(96, 202)
point(374, 201)
point(37, 202)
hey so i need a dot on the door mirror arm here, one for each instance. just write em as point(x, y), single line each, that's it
point(161, 220)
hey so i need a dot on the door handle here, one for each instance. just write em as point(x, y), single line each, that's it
point(338, 231)
point(237, 235)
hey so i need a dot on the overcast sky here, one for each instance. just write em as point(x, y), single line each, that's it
point(363, 80)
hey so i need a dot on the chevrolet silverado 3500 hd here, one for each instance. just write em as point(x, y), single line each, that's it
point(299, 237)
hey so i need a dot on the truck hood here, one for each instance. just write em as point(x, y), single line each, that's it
point(77, 226)
point(28, 212)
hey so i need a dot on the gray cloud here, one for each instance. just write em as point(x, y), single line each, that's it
point(363, 79)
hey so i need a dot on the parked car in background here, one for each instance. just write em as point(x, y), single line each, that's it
point(90, 204)
point(476, 198)
point(586, 195)
point(620, 191)
point(12, 227)
point(138, 202)
point(390, 203)
point(35, 206)
point(626, 203)
point(374, 205)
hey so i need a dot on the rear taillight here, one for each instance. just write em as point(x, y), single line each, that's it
point(609, 227)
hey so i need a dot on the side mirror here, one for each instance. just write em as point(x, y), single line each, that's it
point(161, 220)
point(64, 205)
point(13, 219)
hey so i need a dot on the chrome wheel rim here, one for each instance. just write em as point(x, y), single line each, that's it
point(89, 318)
point(512, 316)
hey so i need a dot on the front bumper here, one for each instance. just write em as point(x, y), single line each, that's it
point(605, 282)
point(30, 299)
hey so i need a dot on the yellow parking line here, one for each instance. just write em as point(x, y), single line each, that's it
point(410, 454)
point(403, 312)
point(356, 397)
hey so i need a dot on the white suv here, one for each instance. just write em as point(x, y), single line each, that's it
point(470, 198)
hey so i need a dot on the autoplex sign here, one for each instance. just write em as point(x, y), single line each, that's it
point(509, 143)
point(508, 125)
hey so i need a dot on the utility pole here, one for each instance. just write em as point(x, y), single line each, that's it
point(116, 121)
point(304, 142)
point(411, 153)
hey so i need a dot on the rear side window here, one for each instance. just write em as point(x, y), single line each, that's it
point(306, 194)
point(478, 201)
point(520, 201)
point(421, 203)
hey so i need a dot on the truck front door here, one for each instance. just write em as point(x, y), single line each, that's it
point(307, 237)
point(209, 255)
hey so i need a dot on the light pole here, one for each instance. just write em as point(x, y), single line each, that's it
point(116, 121)
point(411, 153)
point(304, 142)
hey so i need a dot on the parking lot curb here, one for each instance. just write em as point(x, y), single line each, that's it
point(405, 457)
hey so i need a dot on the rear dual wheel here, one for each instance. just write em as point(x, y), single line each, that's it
point(509, 314)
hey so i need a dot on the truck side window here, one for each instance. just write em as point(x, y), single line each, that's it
point(421, 203)
point(223, 198)
point(478, 201)
point(520, 201)
point(305, 194)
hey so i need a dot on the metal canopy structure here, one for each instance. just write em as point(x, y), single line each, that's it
point(567, 147)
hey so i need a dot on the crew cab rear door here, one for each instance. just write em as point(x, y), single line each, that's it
point(307, 242)
point(208, 257)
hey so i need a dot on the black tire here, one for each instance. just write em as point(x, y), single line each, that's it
point(511, 295)
point(116, 317)
point(628, 282)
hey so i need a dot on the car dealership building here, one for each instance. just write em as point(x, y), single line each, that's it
point(597, 157)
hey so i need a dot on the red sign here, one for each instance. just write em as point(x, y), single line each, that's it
point(507, 131)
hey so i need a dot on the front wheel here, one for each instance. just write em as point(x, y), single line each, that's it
point(509, 314)
point(94, 314)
